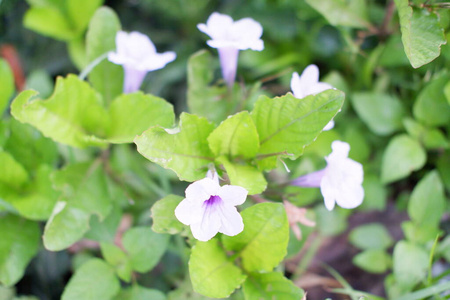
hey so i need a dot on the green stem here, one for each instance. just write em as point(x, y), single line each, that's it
point(92, 65)
point(308, 257)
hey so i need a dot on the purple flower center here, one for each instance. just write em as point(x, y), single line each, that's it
point(213, 200)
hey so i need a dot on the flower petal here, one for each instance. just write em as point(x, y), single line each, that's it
point(232, 195)
point(189, 212)
point(209, 225)
point(310, 76)
point(310, 180)
point(329, 126)
point(296, 87)
point(318, 88)
point(202, 190)
point(232, 223)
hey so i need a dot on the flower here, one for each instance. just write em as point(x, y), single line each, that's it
point(229, 37)
point(297, 215)
point(308, 84)
point(341, 180)
point(137, 54)
point(210, 208)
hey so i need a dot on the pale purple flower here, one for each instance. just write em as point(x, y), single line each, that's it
point(210, 208)
point(229, 37)
point(137, 54)
point(308, 84)
point(341, 180)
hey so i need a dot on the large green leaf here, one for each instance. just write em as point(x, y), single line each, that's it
point(286, 124)
point(402, 156)
point(73, 115)
point(235, 137)
point(85, 192)
point(431, 106)
point(410, 264)
point(351, 13)
point(382, 113)
point(131, 114)
point(212, 273)
point(19, 242)
point(94, 280)
point(51, 22)
point(80, 12)
point(163, 215)
point(422, 35)
point(106, 77)
point(246, 176)
point(371, 236)
point(271, 286)
point(13, 174)
point(427, 202)
point(184, 150)
point(263, 243)
point(144, 247)
point(7, 80)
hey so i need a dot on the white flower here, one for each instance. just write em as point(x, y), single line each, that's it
point(137, 54)
point(229, 37)
point(308, 84)
point(341, 180)
point(210, 208)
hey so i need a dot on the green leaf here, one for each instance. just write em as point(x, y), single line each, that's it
point(286, 124)
point(350, 13)
point(371, 236)
point(118, 259)
point(382, 113)
point(49, 21)
point(94, 280)
point(263, 243)
point(431, 106)
point(185, 151)
point(420, 234)
point(427, 202)
point(131, 114)
point(18, 244)
point(13, 174)
point(137, 292)
point(7, 80)
point(144, 247)
point(211, 272)
point(330, 223)
point(106, 77)
point(80, 12)
point(422, 36)
point(410, 264)
point(444, 171)
point(402, 156)
point(271, 286)
point(245, 176)
point(85, 192)
point(105, 230)
point(373, 260)
point(73, 115)
point(203, 99)
point(163, 215)
point(235, 137)
point(375, 194)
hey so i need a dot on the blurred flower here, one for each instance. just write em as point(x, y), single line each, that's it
point(229, 37)
point(210, 208)
point(137, 54)
point(341, 180)
point(297, 215)
point(308, 84)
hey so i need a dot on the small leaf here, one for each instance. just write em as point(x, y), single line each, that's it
point(118, 259)
point(427, 202)
point(410, 264)
point(422, 36)
point(271, 286)
point(371, 236)
point(18, 244)
point(212, 274)
point(185, 151)
point(287, 124)
point(382, 113)
point(49, 21)
point(373, 260)
point(163, 215)
point(131, 114)
point(106, 77)
point(94, 280)
point(245, 176)
point(80, 12)
point(402, 156)
point(431, 106)
point(144, 247)
point(235, 137)
point(342, 12)
point(263, 243)
point(7, 80)
point(418, 233)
